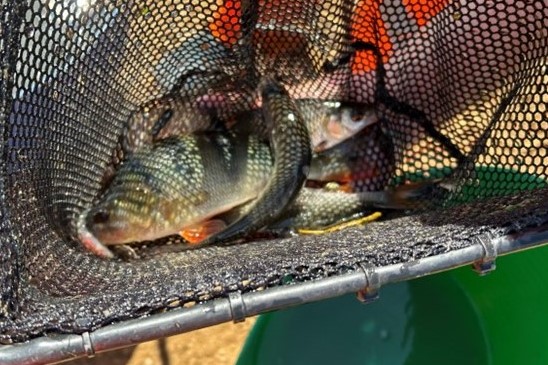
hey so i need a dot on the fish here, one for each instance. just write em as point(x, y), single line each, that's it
point(319, 208)
point(291, 151)
point(170, 187)
point(329, 123)
point(363, 162)
point(337, 121)
point(185, 185)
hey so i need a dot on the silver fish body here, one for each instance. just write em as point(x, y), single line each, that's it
point(364, 162)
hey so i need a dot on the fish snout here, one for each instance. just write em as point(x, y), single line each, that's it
point(106, 227)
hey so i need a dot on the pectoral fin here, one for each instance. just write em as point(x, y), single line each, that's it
point(198, 232)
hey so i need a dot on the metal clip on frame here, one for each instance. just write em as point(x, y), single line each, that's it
point(486, 264)
point(237, 307)
point(88, 344)
point(370, 292)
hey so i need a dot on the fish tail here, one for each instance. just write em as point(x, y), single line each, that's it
point(320, 208)
point(408, 196)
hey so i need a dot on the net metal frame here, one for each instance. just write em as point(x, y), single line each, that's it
point(461, 89)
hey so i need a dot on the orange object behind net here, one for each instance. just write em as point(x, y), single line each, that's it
point(367, 24)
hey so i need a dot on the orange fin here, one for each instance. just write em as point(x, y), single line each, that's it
point(200, 231)
point(340, 177)
point(347, 188)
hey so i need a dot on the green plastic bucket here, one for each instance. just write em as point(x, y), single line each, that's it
point(455, 317)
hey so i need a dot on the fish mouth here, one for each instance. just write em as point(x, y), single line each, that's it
point(88, 239)
point(106, 228)
point(113, 234)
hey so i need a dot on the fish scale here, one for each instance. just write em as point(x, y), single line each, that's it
point(292, 155)
point(152, 196)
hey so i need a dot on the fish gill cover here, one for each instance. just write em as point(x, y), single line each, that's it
point(459, 89)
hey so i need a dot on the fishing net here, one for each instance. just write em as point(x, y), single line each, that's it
point(459, 88)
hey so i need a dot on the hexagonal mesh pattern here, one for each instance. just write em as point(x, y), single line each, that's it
point(460, 88)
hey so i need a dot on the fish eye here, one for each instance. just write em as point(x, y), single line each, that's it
point(357, 116)
point(101, 216)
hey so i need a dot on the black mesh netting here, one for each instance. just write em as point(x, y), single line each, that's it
point(460, 88)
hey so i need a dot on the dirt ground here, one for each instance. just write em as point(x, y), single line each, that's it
point(218, 345)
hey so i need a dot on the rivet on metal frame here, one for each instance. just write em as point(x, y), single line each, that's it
point(237, 307)
point(88, 345)
point(370, 292)
point(488, 263)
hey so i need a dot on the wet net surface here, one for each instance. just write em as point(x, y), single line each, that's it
point(460, 89)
